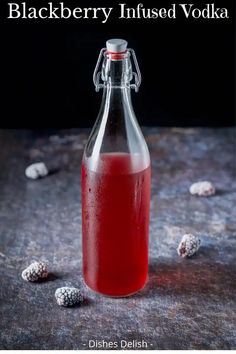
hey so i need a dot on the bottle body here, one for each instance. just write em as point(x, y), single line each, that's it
point(115, 224)
point(116, 177)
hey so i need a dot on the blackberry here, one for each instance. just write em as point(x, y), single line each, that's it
point(68, 296)
point(36, 170)
point(188, 245)
point(36, 271)
point(204, 189)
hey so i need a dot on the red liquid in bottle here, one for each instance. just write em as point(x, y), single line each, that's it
point(115, 214)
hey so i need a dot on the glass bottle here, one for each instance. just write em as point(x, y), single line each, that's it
point(116, 177)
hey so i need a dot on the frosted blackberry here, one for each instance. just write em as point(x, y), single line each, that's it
point(36, 170)
point(36, 271)
point(188, 245)
point(203, 188)
point(68, 296)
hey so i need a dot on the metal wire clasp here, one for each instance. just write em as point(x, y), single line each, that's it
point(136, 74)
point(97, 72)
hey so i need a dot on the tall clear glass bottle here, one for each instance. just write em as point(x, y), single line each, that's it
point(116, 178)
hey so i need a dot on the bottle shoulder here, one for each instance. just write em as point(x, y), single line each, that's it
point(116, 130)
point(115, 163)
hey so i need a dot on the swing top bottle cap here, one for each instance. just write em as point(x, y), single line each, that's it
point(116, 45)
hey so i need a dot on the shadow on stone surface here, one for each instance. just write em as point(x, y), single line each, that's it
point(220, 192)
point(190, 277)
point(50, 277)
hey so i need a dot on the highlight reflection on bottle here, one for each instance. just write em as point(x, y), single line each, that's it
point(116, 178)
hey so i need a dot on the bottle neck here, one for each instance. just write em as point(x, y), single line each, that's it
point(116, 100)
point(117, 73)
point(116, 129)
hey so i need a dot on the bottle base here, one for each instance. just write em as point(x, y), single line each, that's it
point(117, 296)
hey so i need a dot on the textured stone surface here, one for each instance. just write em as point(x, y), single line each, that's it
point(187, 304)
